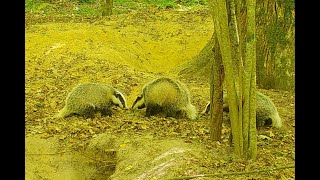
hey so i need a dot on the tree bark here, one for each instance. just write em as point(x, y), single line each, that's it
point(251, 131)
point(220, 17)
point(216, 94)
point(238, 52)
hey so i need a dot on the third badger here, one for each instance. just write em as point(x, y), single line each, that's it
point(166, 96)
point(266, 111)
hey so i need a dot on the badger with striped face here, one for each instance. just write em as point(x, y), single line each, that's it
point(166, 96)
point(88, 98)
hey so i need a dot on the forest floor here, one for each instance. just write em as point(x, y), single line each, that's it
point(127, 51)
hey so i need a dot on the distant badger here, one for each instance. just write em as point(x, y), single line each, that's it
point(88, 98)
point(167, 96)
point(266, 111)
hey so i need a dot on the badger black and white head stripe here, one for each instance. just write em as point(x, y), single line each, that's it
point(206, 109)
point(138, 103)
point(119, 99)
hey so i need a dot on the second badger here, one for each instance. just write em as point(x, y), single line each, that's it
point(166, 96)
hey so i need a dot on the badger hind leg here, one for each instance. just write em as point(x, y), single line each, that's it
point(152, 110)
point(106, 112)
point(260, 122)
point(180, 113)
point(268, 122)
point(172, 112)
point(87, 112)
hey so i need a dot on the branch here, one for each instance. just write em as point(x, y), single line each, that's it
point(232, 173)
point(45, 154)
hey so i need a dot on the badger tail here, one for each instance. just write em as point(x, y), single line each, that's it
point(276, 120)
point(62, 113)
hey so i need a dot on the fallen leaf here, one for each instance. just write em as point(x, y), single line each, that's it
point(128, 167)
point(263, 137)
point(143, 126)
point(91, 131)
point(271, 134)
point(63, 137)
point(122, 145)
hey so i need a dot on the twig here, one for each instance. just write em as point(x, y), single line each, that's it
point(232, 173)
point(138, 44)
point(45, 154)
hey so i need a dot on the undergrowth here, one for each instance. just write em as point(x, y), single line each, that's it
point(91, 7)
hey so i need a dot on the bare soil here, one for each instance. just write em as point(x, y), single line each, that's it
point(126, 51)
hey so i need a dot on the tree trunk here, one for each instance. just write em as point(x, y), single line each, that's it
point(275, 51)
point(216, 94)
point(238, 52)
point(220, 18)
point(106, 7)
point(250, 131)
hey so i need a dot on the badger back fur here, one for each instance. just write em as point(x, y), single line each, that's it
point(266, 111)
point(166, 96)
point(88, 98)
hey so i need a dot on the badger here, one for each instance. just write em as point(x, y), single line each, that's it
point(166, 96)
point(85, 99)
point(266, 111)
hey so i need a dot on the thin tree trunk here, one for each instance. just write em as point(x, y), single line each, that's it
point(216, 94)
point(251, 71)
point(234, 29)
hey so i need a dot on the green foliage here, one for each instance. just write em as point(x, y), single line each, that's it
point(87, 1)
point(119, 11)
point(145, 3)
point(126, 3)
point(86, 10)
point(37, 6)
point(84, 1)
point(162, 3)
point(191, 2)
point(91, 7)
